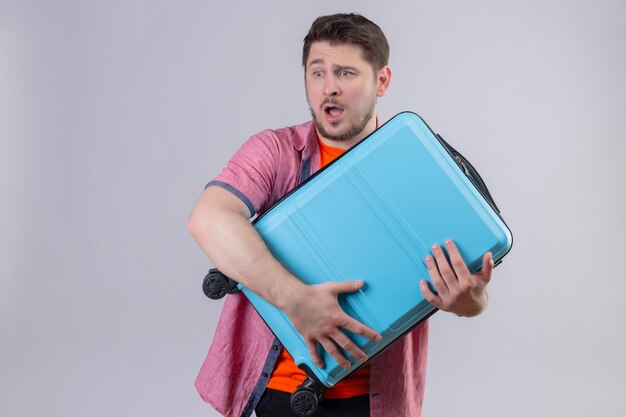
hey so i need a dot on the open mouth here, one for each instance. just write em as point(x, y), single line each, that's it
point(332, 111)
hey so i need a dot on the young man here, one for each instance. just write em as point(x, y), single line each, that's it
point(345, 59)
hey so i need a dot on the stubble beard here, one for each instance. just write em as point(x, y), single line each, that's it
point(357, 124)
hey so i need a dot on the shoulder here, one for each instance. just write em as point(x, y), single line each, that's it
point(284, 139)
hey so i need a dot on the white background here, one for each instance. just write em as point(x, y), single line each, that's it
point(114, 114)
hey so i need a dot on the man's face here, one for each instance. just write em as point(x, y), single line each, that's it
point(342, 89)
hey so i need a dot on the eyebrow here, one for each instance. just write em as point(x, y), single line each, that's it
point(335, 67)
point(343, 68)
point(316, 61)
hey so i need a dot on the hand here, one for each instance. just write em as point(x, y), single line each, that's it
point(316, 315)
point(458, 291)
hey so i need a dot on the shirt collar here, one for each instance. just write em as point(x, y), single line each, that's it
point(306, 138)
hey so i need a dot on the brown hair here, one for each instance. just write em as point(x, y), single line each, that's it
point(353, 29)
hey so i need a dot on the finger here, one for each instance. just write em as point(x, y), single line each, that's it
point(484, 275)
point(332, 349)
point(349, 346)
point(314, 353)
point(360, 329)
point(435, 276)
point(458, 264)
point(446, 272)
point(345, 286)
point(431, 297)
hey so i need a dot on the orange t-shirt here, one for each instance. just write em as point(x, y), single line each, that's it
point(287, 376)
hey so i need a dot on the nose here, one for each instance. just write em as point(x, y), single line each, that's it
point(330, 87)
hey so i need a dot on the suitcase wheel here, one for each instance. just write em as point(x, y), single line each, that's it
point(304, 402)
point(216, 285)
point(305, 399)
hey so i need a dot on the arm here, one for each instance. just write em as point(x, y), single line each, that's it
point(219, 223)
point(458, 291)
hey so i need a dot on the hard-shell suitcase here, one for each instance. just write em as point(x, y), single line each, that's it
point(373, 214)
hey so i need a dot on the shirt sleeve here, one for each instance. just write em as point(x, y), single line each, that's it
point(251, 172)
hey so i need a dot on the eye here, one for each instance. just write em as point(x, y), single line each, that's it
point(317, 74)
point(345, 73)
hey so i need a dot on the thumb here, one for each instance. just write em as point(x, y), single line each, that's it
point(485, 273)
point(346, 286)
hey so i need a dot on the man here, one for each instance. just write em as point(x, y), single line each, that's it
point(345, 59)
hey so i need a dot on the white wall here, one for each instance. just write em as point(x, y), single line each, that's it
point(114, 114)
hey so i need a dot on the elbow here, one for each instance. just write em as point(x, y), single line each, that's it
point(192, 226)
point(197, 224)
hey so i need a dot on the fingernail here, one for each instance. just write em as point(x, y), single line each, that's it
point(435, 246)
point(448, 242)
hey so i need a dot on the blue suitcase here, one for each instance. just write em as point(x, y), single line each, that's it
point(373, 214)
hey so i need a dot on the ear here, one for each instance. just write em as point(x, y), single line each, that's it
point(383, 79)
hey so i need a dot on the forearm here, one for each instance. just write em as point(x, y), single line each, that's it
point(238, 251)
